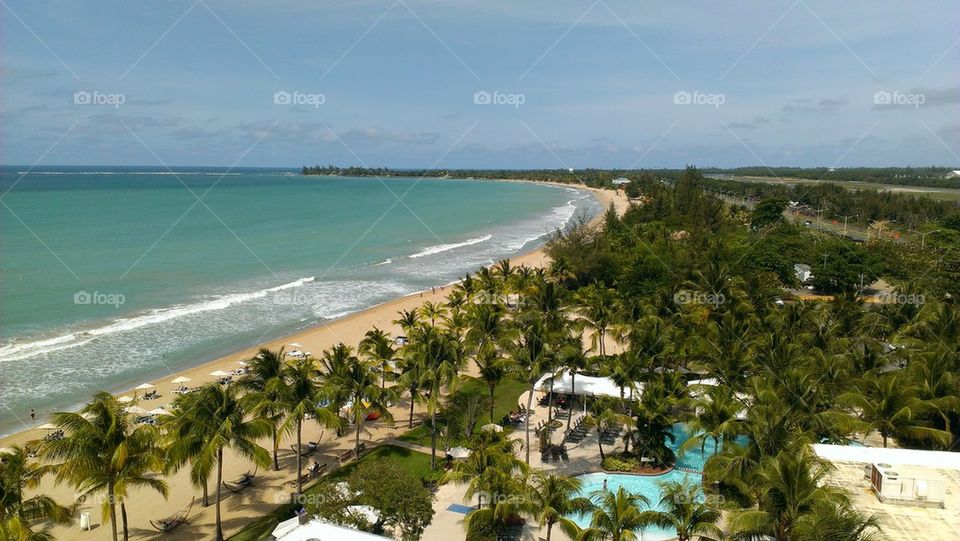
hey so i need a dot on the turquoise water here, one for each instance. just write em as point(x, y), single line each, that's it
point(648, 485)
point(114, 275)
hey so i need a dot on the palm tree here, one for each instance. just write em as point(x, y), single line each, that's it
point(596, 312)
point(791, 486)
point(104, 453)
point(532, 357)
point(604, 416)
point(301, 397)
point(616, 516)
point(263, 371)
point(440, 355)
point(378, 346)
point(838, 523)
point(715, 418)
point(493, 369)
point(433, 311)
point(413, 378)
point(492, 465)
point(889, 405)
point(205, 423)
point(687, 511)
point(18, 513)
point(407, 320)
point(553, 498)
point(358, 380)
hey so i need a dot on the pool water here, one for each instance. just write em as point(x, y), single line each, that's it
point(648, 485)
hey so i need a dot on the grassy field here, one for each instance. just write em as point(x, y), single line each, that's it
point(504, 400)
point(942, 194)
point(414, 462)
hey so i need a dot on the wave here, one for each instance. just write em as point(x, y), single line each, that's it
point(384, 262)
point(439, 248)
point(13, 352)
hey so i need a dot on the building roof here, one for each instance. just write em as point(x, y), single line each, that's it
point(316, 529)
point(585, 385)
point(871, 455)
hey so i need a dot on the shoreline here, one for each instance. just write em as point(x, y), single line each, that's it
point(316, 337)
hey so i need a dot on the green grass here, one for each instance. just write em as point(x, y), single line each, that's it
point(504, 401)
point(416, 463)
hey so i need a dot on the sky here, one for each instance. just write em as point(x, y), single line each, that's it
point(491, 84)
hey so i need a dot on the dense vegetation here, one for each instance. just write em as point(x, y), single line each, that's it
point(686, 287)
point(936, 177)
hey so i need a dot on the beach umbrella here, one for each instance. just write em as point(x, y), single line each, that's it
point(220, 374)
point(124, 399)
point(181, 379)
point(145, 386)
point(136, 410)
point(6, 451)
point(48, 426)
point(158, 411)
point(491, 427)
point(243, 363)
point(459, 452)
point(295, 344)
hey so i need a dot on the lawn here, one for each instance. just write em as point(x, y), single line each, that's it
point(505, 400)
point(415, 463)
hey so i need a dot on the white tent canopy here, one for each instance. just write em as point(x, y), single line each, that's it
point(585, 386)
point(292, 530)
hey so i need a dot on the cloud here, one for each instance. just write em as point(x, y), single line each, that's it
point(810, 105)
point(378, 135)
point(741, 126)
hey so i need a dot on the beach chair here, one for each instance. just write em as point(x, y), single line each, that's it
point(169, 524)
point(305, 450)
point(345, 456)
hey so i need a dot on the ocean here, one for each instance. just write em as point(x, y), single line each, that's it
point(113, 276)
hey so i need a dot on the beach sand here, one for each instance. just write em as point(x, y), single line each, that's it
point(268, 491)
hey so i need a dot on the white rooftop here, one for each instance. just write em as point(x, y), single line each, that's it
point(585, 385)
point(292, 530)
point(870, 455)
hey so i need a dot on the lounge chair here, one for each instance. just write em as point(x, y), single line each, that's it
point(305, 450)
point(244, 481)
point(169, 524)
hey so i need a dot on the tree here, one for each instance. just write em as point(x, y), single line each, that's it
point(103, 453)
point(531, 358)
point(401, 500)
point(214, 417)
point(889, 405)
point(554, 498)
point(617, 516)
point(358, 380)
point(18, 512)
point(766, 212)
point(687, 511)
point(440, 356)
point(839, 267)
point(263, 373)
point(604, 416)
point(490, 469)
point(378, 347)
point(596, 312)
point(301, 397)
point(493, 369)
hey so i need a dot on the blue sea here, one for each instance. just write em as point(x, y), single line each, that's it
point(112, 276)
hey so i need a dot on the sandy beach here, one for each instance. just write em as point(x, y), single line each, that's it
point(268, 490)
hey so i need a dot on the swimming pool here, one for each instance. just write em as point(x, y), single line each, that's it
point(648, 485)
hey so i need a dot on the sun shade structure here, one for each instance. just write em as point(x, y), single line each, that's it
point(220, 374)
point(491, 427)
point(313, 529)
point(125, 399)
point(136, 410)
point(48, 426)
point(181, 379)
point(585, 386)
point(145, 386)
point(459, 452)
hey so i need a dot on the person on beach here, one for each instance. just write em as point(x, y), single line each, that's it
point(604, 485)
point(33, 415)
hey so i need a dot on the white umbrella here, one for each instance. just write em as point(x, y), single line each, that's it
point(459, 452)
point(493, 427)
point(145, 386)
point(181, 379)
point(295, 344)
point(125, 399)
point(6, 451)
point(48, 426)
point(243, 363)
point(158, 411)
point(136, 410)
point(220, 374)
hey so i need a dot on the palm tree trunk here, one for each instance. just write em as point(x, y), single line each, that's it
point(550, 403)
point(412, 393)
point(113, 511)
point(206, 494)
point(549, 529)
point(219, 484)
point(600, 445)
point(276, 449)
point(433, 437)
point(493, 389)
point(123, 518)
point(573, 390)
point(529, 405)
point(299, 457)
point(603, 349)
point(358, 419)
